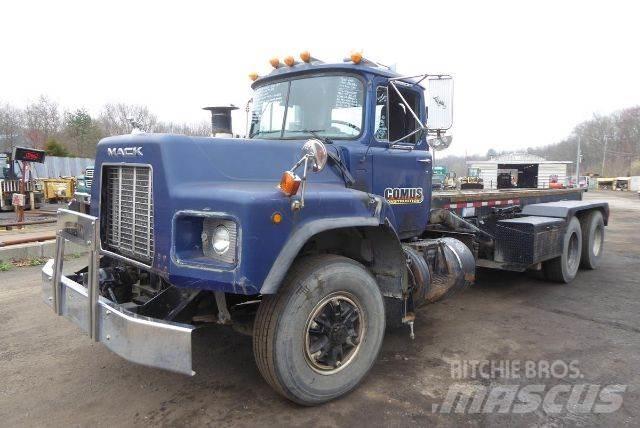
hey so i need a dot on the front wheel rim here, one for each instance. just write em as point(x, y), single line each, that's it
point(334, 333)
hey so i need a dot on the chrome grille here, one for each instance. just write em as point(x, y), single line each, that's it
point(129, 211)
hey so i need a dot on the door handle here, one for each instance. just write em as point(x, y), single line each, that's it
point(425, 160)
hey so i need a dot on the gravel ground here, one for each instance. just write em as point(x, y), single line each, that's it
point(52, 375)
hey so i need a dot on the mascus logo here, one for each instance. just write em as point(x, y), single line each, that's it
point(124, 151)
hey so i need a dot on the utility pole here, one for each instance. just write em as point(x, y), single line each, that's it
point(604, 155)
point(578, 164)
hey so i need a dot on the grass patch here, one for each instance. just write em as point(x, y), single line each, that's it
point(36, 261)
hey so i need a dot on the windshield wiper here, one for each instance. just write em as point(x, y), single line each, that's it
point(349, 181)
point(263, 133)
point(313, 132)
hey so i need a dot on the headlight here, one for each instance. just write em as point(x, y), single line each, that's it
point(221, 240)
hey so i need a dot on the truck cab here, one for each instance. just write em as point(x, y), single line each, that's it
point(366, 123)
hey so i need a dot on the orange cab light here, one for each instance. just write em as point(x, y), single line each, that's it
point(356, 57)
point(253, 76)
point(305, 56)
point(289, 183)
point(289, 61)
point(275, 62)
point(276, 218)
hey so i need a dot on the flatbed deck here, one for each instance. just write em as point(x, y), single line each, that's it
point(478, 198)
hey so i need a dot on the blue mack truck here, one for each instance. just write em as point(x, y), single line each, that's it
point(314, 234)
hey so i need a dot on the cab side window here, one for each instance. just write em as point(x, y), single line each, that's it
point(401, 121)
point(381, 131)
point(393, 120)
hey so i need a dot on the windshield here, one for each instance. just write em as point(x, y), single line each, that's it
point(327, 106)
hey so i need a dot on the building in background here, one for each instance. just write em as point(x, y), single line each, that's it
point(521, 170)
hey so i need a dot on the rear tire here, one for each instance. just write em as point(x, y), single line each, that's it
point(592, 239)
point(318, 337)
point(565, 267)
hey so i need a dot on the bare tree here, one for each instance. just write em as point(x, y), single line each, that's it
point(202, 128)
point(42, 120)
point(609, 144)
point(115, 119)
point(11, 127)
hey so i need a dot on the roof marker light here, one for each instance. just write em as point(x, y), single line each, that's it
point(253, 76)
point(356, 57)
point(305, 56)
point(290, 61)
point(275, 62)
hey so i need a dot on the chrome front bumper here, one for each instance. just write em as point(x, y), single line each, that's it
point(140, 339)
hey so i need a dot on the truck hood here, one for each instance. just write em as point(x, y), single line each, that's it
point(236, 179)
point(184, 159)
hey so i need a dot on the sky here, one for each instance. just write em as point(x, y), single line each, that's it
point(526, 72)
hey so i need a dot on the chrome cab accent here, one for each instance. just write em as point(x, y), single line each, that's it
point(140, 339)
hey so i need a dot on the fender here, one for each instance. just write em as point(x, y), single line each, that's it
point(566, 209)
point(299, 237)
point(382, 218)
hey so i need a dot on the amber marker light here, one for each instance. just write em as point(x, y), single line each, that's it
point(253, 76)
point(289, 61)
point(289, 183)
point(356, 57)
point(305, 56)
point(276, 218)
point(275, 62)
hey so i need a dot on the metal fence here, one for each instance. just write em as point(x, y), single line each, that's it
point(54, 167)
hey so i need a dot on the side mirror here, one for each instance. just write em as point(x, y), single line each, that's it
point(439, 101)
point(316, 152)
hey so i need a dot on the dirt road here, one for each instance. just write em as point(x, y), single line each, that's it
point(52, 375)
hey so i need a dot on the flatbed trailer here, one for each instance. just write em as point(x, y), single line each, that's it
point(521, 229)
point(483, 201)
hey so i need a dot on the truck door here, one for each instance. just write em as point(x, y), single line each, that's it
point(401, 172)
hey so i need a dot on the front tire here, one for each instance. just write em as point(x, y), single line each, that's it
point(565, 267)
point(318, 337)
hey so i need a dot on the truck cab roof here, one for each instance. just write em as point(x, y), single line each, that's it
point(365, 67)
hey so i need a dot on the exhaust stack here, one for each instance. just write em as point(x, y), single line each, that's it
point(221, 120)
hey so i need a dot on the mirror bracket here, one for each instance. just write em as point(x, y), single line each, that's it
point(314, 155)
